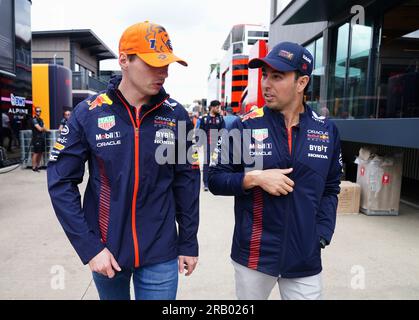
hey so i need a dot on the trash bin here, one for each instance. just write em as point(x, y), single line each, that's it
point(380, 178)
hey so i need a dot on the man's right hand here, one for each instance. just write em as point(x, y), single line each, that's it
point(273, 181)
point(104, 263)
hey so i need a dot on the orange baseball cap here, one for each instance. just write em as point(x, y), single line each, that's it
point(151, 43)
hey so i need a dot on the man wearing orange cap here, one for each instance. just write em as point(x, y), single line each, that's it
point(126, 227)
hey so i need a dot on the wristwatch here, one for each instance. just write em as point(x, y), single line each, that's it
point(323, 243)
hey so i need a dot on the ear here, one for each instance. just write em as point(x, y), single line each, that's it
point(123, 61)
point(302, 83)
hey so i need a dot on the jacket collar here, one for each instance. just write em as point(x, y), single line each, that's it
point(155, 100)
point(117, 96)
point(279, 117)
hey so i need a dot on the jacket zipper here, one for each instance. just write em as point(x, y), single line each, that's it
point(291, 148)
point(139, 122)
point(136, 186)
point(137, 125)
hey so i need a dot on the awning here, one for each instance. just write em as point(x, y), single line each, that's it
point(85, 37)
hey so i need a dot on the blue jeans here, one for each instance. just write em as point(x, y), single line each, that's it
point(155, 282)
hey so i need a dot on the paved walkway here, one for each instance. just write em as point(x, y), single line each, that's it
point(33, 249)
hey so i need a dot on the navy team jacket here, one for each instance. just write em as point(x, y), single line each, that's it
point(280, 236)
point(208, 123)
point(131, 203)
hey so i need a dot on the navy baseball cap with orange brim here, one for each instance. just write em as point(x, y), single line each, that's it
point(285, 57)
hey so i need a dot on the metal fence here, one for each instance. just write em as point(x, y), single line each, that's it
point(84, 82)
point(26, 147)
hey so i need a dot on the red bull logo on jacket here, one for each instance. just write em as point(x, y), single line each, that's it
point(99, 101)
point(319, 136)
point(254, 114)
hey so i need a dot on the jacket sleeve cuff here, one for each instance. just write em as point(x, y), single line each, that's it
point(188, 250)
point(237, 184)
point(323, 232)
point(88, 248)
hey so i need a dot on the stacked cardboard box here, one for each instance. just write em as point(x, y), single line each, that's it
point(349, 197)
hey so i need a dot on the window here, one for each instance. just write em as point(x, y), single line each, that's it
point(252, 41)
point(237, 34)
point(259, 34)
point(360, 48)
point(398, 84)
point(7, 57)
point(255, 34)
point(59, 61)
point(313, 98)
point(309, 93)
point(338, 71)
point(318, 58)
point(238, 48)
point(350, 72)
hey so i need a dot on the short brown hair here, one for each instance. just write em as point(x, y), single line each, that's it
point(131, 57)
point(299, 74)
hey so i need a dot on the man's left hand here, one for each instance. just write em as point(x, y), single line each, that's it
point(188, 263)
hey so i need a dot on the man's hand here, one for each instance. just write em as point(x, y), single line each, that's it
point(273, 181)
point(188, 263)
point(104, 263)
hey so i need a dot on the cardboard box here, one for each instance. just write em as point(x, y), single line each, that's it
point(380, 178)
point(349, 197)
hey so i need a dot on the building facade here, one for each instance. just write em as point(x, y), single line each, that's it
point(15, 77)
point(233, 75)
point(214, 83)
point(366, 74)
point(78, 50)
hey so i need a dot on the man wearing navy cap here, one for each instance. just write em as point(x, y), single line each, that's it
point(285, 211)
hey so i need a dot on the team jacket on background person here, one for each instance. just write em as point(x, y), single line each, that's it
point(208, 123)
point(280, 236)
point(131, 202)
